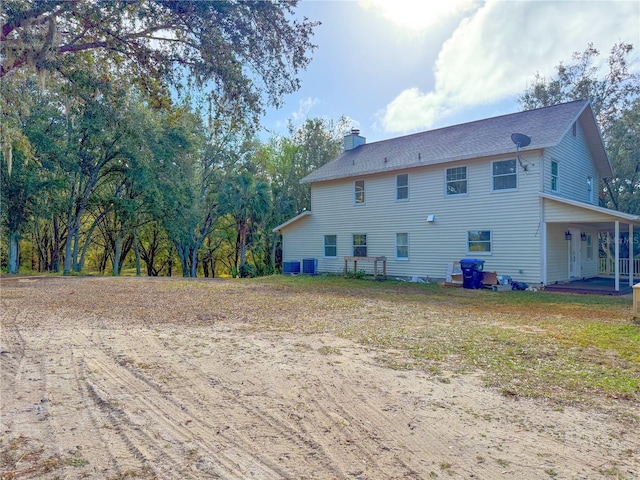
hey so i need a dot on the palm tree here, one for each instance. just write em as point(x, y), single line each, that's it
point(247, 200)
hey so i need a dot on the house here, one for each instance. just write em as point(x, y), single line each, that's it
point(531, 211)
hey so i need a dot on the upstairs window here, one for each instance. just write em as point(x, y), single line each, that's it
point(402, 187)
point(554, 176)
point(456, 181)
point(330, 246)
point(479, 242)
point(402, 246)
point(359, 192)
point(590, 189)
point(505, 175)
point(359, 245)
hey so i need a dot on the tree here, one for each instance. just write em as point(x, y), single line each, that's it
point(188, 209)
point(31, 127)
point(624, 150)
point(241, 49)
point(288, 160)
point(613, 98)
point(247, 201)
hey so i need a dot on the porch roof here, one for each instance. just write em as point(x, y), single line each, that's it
point(280, 227)
point(572, 211)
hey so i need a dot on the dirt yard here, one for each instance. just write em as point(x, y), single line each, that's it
point(170, 379)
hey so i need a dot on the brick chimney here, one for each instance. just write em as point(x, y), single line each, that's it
point(353, 140)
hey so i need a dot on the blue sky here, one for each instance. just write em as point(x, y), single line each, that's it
point(400, 66)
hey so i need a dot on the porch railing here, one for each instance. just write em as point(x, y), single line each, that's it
point(607, 266)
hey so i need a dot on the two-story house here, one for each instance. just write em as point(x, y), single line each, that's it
point(431, 198)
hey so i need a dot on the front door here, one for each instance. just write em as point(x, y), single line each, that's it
point(575, 266)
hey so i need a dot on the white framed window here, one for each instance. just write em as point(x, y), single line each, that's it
point(590, 189)
point(402, 186)
point(330, 246)
point(589, 247)
point(456, 181)
point(359, 245)
point(479, 242)
point(358, 192)
point(555, 174)
point(402, 246)
point(504, 175)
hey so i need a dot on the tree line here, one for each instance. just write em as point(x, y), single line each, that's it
point(101, 181)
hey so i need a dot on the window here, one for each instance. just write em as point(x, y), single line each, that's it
point(554, 176)
point(330, 246)
point(456, 181)
point(590, 189)
point(505, 175)
point(359, 191)
point(402, 187)
point(359, 245)
point(589, 247)
point(402, 246)
point(479, 241)
point(574, 129)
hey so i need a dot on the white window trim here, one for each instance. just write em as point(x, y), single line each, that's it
point(474, 253)
point(500, 190)
point(355, 196)
point(402, 259)
point(557, 189)
point(324, 245)
point(446, 182)
point(407, 187)
point(590, 188)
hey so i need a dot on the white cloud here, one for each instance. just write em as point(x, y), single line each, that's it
point(304, 107)
point(494, 53)
point(418, 14)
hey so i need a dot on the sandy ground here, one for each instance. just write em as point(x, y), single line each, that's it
point(106, 391)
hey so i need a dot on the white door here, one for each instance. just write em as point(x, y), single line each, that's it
point(575, 254)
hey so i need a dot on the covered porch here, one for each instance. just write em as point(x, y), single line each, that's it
point(589, 249)
point(596, 285)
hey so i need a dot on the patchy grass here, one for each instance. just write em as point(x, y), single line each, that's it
point(534, 344)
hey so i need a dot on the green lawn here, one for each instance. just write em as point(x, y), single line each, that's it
point(537, 344)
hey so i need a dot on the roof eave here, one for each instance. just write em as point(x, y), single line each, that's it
point(282, 226)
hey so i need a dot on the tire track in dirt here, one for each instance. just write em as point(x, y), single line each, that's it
point(266, 418)
point(163, 412)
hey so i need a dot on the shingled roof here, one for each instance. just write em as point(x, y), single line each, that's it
point(492, 136)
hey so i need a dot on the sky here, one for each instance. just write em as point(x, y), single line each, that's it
point(395, 67)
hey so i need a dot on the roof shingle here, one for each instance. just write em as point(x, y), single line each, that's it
point(492, 136)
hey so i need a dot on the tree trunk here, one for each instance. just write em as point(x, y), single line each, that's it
point(55, 250)
point(136, 250)
point(14, 252)
point(67, 250)
point(194, 262)
point(117, 251)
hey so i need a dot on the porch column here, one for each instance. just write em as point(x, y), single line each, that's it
point(617, 256)
point(544, 253)
point(631, 255)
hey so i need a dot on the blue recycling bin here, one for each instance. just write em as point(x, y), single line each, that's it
point(472, 272)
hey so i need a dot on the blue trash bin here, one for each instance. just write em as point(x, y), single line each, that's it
point(472, 272)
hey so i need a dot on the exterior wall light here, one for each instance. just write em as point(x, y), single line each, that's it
point(567, 235)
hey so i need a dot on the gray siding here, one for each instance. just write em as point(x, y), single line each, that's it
point(575, 163)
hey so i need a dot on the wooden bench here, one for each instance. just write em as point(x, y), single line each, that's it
point(375, 261)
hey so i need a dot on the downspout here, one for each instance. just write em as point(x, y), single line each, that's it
point(543, 221)
point(543, 240)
